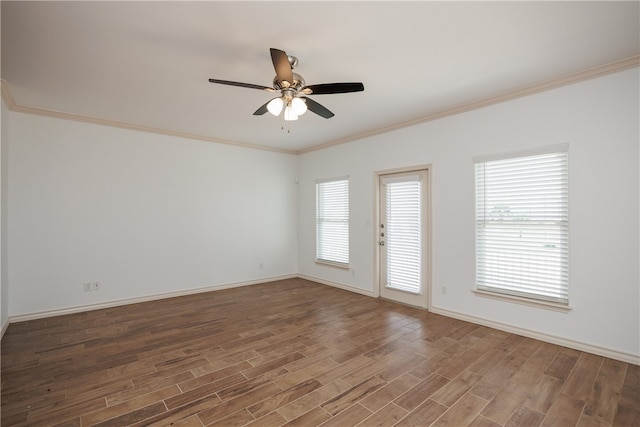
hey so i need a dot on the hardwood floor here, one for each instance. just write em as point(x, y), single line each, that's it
point(296, 353)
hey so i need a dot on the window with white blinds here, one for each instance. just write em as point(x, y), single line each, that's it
point(522, 224)
point(403, 235)
point(332, 221)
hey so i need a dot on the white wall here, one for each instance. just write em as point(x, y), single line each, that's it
point(598, 118)
point(143, 214)
point(4, 270)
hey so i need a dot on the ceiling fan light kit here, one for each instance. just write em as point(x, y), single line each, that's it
point(294, 106)
point(291, 87)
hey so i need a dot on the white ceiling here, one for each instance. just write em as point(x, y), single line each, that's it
point(147, 63)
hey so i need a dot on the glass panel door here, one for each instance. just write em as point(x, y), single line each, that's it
point(401, 236)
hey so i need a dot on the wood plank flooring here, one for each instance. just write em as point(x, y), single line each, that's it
point(296, 353)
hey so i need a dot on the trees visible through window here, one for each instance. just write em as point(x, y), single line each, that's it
point(522, 226)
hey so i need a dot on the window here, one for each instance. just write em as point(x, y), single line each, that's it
point(332, 221)
point(522, 227)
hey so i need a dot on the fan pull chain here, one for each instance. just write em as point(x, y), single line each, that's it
point(284, 127)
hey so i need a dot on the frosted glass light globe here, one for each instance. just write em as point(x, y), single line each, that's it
point(275, 106)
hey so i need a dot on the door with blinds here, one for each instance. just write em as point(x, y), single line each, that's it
point(402, 233)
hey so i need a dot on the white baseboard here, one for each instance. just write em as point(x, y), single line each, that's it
point(80, 309)
point(91, 307)
point(337, 285)
point(5, 325)
point(565, 342)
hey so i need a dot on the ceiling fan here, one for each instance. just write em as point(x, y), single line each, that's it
point(292, 87)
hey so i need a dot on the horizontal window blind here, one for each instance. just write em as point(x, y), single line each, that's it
point(522, 226)
point(403, 233)
point(332, 221)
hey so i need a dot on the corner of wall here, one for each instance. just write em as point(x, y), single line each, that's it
point(4, 283)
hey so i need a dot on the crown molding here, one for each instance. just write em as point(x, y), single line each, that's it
point(569, 79)
point(11, 104)
point(6, 95)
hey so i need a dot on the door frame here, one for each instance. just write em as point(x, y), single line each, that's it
point(426, 233)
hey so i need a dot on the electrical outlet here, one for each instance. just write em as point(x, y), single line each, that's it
point(261, 266)
point(353, 272)
point(88, 287)
point(443, 290)
point(96, 286)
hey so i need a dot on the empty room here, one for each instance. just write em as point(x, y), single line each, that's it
point(307, 213)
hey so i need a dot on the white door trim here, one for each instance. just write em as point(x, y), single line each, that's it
point(426, 227)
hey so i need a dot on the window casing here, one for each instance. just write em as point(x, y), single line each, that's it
point(522, 224)
point(332, 222)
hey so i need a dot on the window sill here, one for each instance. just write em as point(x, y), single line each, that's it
point(524, 301)
point(333, 264)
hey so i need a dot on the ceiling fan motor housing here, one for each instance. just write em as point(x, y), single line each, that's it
point(297, 84)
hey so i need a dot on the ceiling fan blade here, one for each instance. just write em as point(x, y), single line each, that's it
point(263, 109)
point(329, 88)
point(317, 108)
point(247, 85)
point(282, 66)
